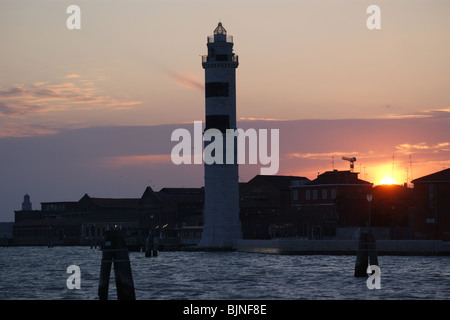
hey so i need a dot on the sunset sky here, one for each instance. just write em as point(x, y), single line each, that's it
point(92, 110)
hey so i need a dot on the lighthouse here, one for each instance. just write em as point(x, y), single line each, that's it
point(221, 225)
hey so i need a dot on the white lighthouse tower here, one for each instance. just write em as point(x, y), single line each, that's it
point(221, 214)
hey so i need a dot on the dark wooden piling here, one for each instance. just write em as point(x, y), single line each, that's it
point(115, 251)
point(148, 249)
point(105, 271)
point(151, 247)
point(367, 253)
point(155, 247)
point(362, 256)
point(93, 237)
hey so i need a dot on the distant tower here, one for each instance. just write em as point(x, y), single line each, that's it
point(26, 204)
point(221, 216)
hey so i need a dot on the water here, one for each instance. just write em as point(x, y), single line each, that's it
point(32, 273)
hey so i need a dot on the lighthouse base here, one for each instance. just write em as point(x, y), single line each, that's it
point(221, 225)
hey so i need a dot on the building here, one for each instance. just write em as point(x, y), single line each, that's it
point(265, 201)
point(170, 213)
point(431, 206)
point(334, 199)
point(98, 215)
point(221, 214)
point(80, 222)
point(6, 233)
point(173, 213)
point(391, 211)
point(52, 225)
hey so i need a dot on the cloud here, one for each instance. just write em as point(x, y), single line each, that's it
point(13, 110)
point(20, 104)
point(443, 113)
point(186, 81)
point(44, 97)
point(261, 119)
point(19, 130)
point(13, 92)
point(429, 113)
point(320, 156)
point(70, 76)
point(5, 110)
point(423, 146)
point(137, 160)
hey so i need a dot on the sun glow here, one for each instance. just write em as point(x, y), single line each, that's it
point(383, 173)
point(388, 180)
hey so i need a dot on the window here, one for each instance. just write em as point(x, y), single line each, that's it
point(315, 194)
point(308, 194)
point(216, 89)
point(324, 194)
point(333, 193)
point(221, 57)
point(295, 195)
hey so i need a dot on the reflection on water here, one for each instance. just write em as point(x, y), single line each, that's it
point(40, 273)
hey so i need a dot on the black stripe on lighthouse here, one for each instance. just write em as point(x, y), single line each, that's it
point(217, 89)
point(220, 122)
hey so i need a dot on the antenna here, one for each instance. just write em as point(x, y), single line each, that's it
point(410, 165)
point(392, 167)
point(407, 175)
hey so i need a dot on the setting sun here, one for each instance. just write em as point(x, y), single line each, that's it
point(388, 180)
point(384, 173)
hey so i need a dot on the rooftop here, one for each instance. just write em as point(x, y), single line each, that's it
point(220, 29)
point(220, 35)
point(116, 202)
point(338, 177)
point(440, 176)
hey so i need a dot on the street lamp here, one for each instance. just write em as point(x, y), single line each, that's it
point(369, 200)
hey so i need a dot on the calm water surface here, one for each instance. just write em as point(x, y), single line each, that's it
point(40, 273)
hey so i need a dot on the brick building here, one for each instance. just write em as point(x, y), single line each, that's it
point(431, 206)
point(85, 222)
point(391, 210)
point(173, 213)
point(264, 206)
point(56, 223)
point(334, 198)
point(81, 222)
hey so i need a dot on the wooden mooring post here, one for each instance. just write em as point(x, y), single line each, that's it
point(93, 237)
point(367, 253)
point(151, 246)
point(115, 251)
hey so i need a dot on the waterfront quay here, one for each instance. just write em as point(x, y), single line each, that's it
point(343, 247)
